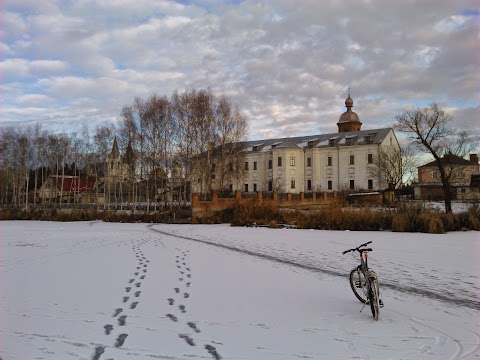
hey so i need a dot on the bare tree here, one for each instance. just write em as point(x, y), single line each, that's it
point(393, 166)
point(431, 131)
point(103, 142)
point(231, 129)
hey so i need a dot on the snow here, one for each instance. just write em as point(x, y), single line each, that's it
point(233, 293)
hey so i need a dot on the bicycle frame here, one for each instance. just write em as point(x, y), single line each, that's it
point(366, 279)
point(363, 267)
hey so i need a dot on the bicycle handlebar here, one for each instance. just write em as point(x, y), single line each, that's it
point(359, 249)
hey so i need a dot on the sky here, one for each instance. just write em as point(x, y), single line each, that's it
point(99, 291)
point(287, 64)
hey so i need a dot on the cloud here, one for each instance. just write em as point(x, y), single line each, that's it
point(287, 64)
point(34, 99)
point(20, 68)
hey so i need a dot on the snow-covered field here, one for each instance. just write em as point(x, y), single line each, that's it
point(140, 291)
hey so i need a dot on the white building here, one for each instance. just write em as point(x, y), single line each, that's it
point(326, 162)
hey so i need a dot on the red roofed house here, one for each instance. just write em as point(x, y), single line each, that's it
point(67, 188)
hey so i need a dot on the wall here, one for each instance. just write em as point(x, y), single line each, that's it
point(202, 209)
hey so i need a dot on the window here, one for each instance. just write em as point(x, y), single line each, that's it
point(329, 185)
point(310, 143)
point(255, 187)
point(370, 184)
point(270, 164)
point(329, 161)
point(279, 163)
point(309, 184)
point(270, 185)
point(352, 159)
point(230, 187)
point(462, 190)
point(309, 161)
point(370, 158)
point(434, 174)
point(331, 142)
point(255, 148)
point(246, 187)
point(292, 184)
point(459, 175)
point(352, 184)
point(348, 141)
point(246, 165)
point(254, 165)
point(292, 161)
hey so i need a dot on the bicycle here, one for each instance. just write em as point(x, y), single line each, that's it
point(362, 277)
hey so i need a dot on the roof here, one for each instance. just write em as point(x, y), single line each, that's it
point(72, 183)
point(372, 136)
point(450, 159)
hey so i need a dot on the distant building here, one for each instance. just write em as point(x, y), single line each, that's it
point(67, 189)
point(120, 168)
point(462, 173)
point(314, 163)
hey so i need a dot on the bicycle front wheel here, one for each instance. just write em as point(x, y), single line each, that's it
point(374, 297)
point(358, 284)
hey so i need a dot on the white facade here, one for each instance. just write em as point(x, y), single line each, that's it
point(328, 162)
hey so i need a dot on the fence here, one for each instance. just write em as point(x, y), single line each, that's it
point(202, 209)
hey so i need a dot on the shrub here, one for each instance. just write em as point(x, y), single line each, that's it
point(249, 212)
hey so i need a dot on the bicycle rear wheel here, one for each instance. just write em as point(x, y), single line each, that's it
point(374, 297)
point(358, 283)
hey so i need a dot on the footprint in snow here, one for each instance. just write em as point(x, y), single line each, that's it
point(122, 320)
point(99, 350)
point(108, 329)
point(120, 340)
point(117, 311)
point(188, 339)
point(172, 317)
point(133, 305)
point(212, 351)
point(193, 326)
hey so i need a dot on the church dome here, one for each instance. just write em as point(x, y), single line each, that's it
point(349, 101)
point(349, 120)
point(349, 116)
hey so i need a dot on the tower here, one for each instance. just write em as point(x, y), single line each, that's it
point(349, 120)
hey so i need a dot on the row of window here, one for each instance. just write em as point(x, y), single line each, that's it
point(436, 175)
point(309, 161)
point(309, 185)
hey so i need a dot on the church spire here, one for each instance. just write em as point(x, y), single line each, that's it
point(115, 151)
